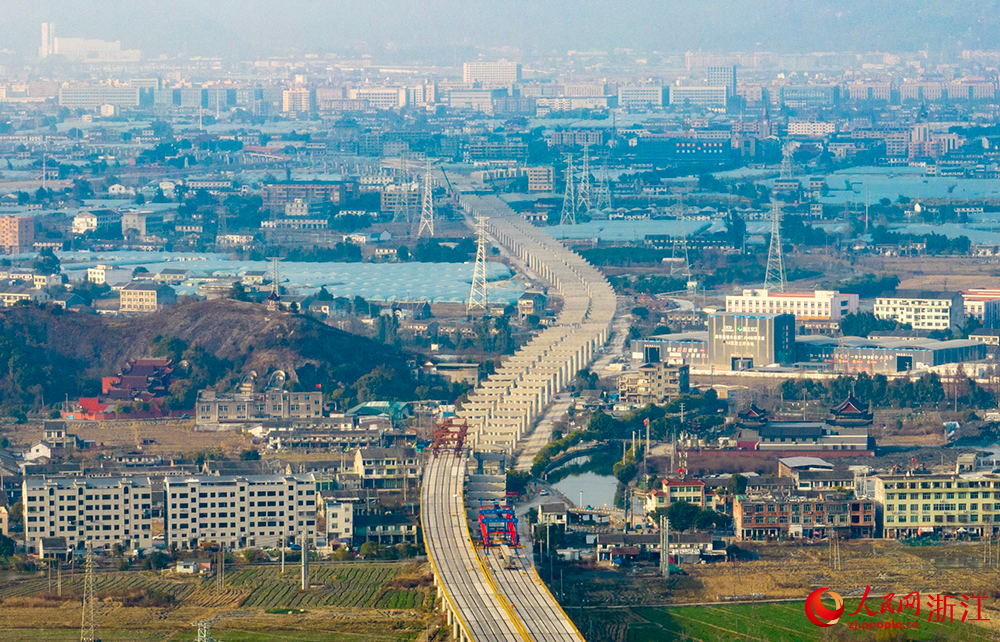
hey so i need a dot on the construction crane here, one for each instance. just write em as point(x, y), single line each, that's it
point(205, 626)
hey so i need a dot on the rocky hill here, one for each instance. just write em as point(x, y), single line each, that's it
point(66, 353)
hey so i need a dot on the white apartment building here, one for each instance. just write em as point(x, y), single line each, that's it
point(641, 96)
point(338, 513)
point(105, 511)
point(95, 220)
point(491, 75)
point(215, 407)
point(810, 129)
point(380, 97)
point(239, 512)
point(712, 97)
point(982, 304)
point(388, 467)
point(825, 305)
point(108, 274)
point(923, 310)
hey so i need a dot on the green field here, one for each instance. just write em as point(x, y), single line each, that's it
point(784, 622)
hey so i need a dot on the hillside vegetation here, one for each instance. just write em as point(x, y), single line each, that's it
point(46, 354)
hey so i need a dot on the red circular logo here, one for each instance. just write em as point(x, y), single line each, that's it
point(818, 613)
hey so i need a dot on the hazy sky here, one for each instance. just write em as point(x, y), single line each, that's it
point(255, 27)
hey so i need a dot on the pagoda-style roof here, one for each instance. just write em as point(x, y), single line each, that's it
point(754, 416)
point(851, 412)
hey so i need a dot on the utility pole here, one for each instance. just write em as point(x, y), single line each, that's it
point(305, 563)
point(87, 617)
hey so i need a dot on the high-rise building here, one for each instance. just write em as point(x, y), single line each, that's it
point(723, 77)
point(296, 100)
point(491, 75)
point(48, 40)
point(17, 234)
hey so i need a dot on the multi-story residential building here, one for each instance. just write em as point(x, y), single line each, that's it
point(338, 514)
point(923, 310)
point(711, 97)
point(144, 298)
point(491, 75)
point(216, 408)
point(672, 491)
point(574, 137)
point(380, 97)
point(95, 220)
point(471, 100)
point(540, 178)
point(814, 515)
point(297, 100)
point(827, 305)
point(144, 223)
point(640, 97)
point(914, 504)
point(982, 304)
point(810, 95)
point(93, 96)
point(17, 234)
point(104, 511)
point(279, 193)
point(811, 129)
point(108, 274)
point(388, 467)
point(239, 512)
point(653, 383)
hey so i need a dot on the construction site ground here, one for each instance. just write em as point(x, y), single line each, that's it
point(631, 603)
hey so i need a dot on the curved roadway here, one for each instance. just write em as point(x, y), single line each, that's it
point(483, 601)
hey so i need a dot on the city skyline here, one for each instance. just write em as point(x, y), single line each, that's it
point(231, 29)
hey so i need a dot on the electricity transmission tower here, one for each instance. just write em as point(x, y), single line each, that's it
point(604, 189)
point(774, 277)
point(427, 212)
point(401, 209)
point(569, 199)
point(87, 619)
point(786, 162)
point(478, 298)
point(584, 192)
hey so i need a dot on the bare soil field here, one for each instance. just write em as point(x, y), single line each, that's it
point(170, 436)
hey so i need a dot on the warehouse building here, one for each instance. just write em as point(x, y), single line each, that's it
point(885, 355)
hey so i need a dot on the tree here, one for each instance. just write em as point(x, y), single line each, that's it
point(250, 455)
point(737, 485)
point(368, 550)
point(711, 520)
point(156, 561)
point(46, 262)
point(681, 515)
point(403, 253)
point(517, 481)
point(6, 546)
